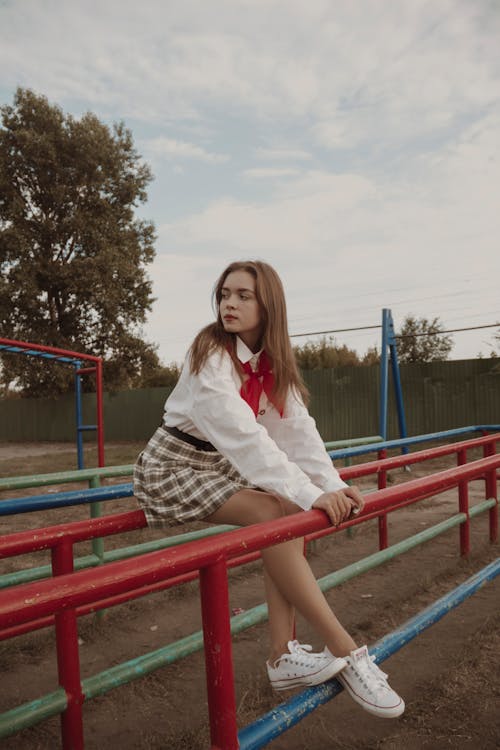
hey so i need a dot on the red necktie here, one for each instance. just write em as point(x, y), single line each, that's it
point(260, 380)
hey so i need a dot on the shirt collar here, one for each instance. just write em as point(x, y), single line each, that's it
point(243, 353)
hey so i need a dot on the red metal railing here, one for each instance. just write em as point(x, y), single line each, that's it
point(79, 356)
point(64, 597)
point(50, 537)
point(383, 465)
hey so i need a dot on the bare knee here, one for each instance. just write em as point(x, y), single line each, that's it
point(251, 506)
point(269, 507)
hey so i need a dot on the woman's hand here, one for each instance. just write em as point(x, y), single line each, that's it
point(340, 505)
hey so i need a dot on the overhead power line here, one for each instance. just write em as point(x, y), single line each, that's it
point(451, 330)
point(398, 336)
point(336, 330)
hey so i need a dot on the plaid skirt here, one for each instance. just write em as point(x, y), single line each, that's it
point(175, 482)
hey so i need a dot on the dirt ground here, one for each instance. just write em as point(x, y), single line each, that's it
point(448, 676)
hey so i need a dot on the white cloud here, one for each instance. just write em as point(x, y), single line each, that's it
point(270, 172)
point(282, 154)
point(367, 135)
point(347, 246)
point(173, 149)
point(164, 61)
point(305, 215)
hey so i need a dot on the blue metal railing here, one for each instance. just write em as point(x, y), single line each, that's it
point(98, 494)
point(283, 717)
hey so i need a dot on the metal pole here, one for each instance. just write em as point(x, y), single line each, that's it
point(78, 405)
point(399, 392)
point(100, 415)
point(218, 655)
point(491, 492)
point(384, 375)
point(382, 520)
point(463, 506)
point(396, 378)
point(68, 657)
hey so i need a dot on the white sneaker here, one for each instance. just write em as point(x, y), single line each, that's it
point(301, 667)
point(368, 686)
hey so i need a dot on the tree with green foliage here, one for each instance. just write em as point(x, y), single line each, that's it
point(162, 376)
point(325, 354)
point(421, 340)
point(73, 254)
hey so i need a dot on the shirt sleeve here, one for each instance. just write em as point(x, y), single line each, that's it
point(228, 422)
point(297, 435)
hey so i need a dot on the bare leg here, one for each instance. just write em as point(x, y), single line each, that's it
point(292, 583)
point(281, 618)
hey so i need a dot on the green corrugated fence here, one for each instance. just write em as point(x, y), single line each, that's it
point(344, 402)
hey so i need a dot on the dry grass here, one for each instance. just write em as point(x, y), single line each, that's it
point(257, 698)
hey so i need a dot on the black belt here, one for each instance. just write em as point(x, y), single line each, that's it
point(201, 445)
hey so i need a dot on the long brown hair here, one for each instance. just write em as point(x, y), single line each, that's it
point(275, 338)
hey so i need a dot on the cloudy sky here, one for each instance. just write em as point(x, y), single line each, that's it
point(355, 145)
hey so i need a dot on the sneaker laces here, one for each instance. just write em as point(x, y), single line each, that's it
point(295, 647)
point(368, 672)
point(376, 669)
point(301, 652)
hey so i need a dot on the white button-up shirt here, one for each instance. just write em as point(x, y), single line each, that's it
point(284, 456)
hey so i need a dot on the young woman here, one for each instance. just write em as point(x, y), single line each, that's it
point(237, 446)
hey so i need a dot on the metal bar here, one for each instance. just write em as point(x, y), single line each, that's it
point(329, 581)
point(77, 531)
point(288, 714)
point(491, 491)
point(122, 553)
point(64, 499)
point(396, 377)
point(9, 483)
point(218, 655)
point(49, 349)
point(382, 520)
point(96, 512)
point(395, 462)
point(78, 497)
point(68, 658)
point(352, 441)
point(463, 506)
point(481, 507)
point(493, 517)
point(78, 414)
point(407, 441)
point(62, 477)
point(29, 714)
point(100, 414)
point(34, 353)
point(46, 597)
point(384, 374)
point(97, 542)
point(121, 674)
point(378, 558)
point(19, 543)
point(127, 596)
point(432, 614)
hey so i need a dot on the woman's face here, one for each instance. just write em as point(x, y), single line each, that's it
point(239, 309)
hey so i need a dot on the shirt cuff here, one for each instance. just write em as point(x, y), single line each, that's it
point(335, 484)
point(307, 496)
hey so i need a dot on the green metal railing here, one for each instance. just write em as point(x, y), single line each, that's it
point(93, 478)
point(31, 713)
